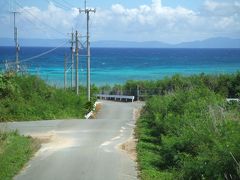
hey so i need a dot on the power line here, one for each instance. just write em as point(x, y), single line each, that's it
point(65, 6)
point(30, 21)
point(67, 3)
point(27, 19)
point(58, 4)
point(47, 25)
point(42, 54)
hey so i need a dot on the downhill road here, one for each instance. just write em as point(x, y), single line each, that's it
point(82, 149)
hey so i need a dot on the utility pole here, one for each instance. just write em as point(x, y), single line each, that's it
point(138, 93)
point(87, 12)
point(72, 58)
point(65, 71)
point(16, 41)
point(6, 66)
point(77, 78)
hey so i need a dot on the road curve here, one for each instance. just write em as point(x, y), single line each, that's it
point(82, 149)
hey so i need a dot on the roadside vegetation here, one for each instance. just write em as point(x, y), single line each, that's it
point(190, 131)
point(26, 97)
point(187, 130)
point(15, 151)
point(227, 85)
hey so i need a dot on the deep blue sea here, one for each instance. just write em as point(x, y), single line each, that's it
point(111, 66)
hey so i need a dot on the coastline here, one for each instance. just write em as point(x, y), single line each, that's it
point(116, 66)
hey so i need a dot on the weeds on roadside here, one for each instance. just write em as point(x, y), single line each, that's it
point(15, 151)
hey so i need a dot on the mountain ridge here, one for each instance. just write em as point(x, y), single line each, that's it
point(219, 42)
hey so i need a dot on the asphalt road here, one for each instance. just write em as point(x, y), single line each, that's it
point(82, 149)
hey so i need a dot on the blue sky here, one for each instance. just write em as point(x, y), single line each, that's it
point(169, 21)
point(194, 4)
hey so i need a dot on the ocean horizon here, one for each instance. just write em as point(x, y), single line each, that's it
point(118, 65)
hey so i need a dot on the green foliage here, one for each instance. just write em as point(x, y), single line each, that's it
point(189, 134)
point(7, 87)
point(228, 85)
point(30, 98)
point(15, 151)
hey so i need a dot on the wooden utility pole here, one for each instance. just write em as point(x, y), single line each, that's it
point(76, 51)
point(87, 12)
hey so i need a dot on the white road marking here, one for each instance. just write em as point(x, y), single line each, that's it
point(130, 176)
point(105, 143)
point(107, 150)
point(132, 125)
point(121, 131)
point(115, 138)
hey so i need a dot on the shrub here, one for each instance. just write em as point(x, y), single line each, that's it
point(27, 97)
point(195, 135)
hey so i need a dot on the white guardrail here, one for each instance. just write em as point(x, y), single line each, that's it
point(115, 97)
point(233, 99)
point(87, 116)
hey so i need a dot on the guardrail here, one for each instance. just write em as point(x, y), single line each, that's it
point(115, 97)
point(233, 99)
point(87, 116)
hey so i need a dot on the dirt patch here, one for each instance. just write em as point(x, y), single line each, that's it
point(58, 143)
point(43, 138)
point(98, 107)
point(137, 113)
point(53, 141)
point(130, 145)
point(130, 148)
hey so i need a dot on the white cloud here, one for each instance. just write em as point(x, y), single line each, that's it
point(118, 9)
point(53, 22)
point(158, 22)
point(212, 5)
point(147, 22)
point(220, 8)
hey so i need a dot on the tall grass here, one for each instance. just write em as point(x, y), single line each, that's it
point(30, 98)
point(189, 133)
point(15, 151)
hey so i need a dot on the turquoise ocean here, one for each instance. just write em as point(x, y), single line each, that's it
point(117, 65)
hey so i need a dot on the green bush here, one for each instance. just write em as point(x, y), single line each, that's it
point(193, 134)
point(26, 97)
point(228, 85)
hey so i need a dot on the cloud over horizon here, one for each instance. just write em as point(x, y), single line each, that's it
point(147, 22)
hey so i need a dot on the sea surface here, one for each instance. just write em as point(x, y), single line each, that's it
point(116, 66)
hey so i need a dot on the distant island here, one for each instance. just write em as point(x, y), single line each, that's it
point(219, 42)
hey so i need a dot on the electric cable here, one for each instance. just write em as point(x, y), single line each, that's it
point(47, 25)
point(40, 55)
